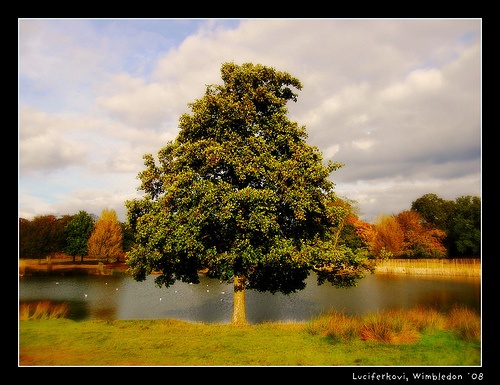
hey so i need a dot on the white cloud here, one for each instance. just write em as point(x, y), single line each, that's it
point(42, 142)
point(396, 101)
point(138, 104)
point(363, 144)
point(417, 81)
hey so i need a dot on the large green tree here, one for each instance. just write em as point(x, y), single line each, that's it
point(241, 194)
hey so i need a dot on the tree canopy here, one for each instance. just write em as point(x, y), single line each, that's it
point(240, 194)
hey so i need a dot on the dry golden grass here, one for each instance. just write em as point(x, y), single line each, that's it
point(465, 322)
point(469, 267)
point(396, 326)
point(390, 326)
point(426, 319)
point(336, 325)
point(42, 310)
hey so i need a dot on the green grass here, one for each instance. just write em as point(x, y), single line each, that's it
point(395, 338)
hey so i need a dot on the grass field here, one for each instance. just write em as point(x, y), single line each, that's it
point(401, 338)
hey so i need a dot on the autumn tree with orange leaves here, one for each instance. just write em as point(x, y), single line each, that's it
point(404, 235)
point(421, 240)
point(388, 240)
point(105, 242)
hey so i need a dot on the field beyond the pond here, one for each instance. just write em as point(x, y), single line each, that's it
point(469, 267)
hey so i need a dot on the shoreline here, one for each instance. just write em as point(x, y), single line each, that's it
point(429, 267)
point(463, 267)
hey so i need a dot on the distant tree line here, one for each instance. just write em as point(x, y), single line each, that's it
point(81, 235)
point(432, 228)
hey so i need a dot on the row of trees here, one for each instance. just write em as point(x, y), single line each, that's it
point(80, 235)
point(433, 228)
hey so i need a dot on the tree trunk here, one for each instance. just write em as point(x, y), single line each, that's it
point(239, 311)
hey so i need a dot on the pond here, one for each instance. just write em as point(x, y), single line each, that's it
point(120, 297)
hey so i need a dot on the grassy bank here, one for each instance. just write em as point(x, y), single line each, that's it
point(399, 338)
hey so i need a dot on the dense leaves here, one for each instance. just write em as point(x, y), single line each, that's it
point(241, 194)
point(105, 242)
point(460, 220)
point(43, 236)
point(404, 235)
point(78, 231)
point(48, 236)
point(465, 225)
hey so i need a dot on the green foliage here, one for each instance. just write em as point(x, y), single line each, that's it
point(240, 193)
point(459, 219)
point(465, 225)
point(78, 232)
point(128, 236)
point(433, 209)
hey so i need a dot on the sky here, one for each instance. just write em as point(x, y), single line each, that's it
point(397, 101)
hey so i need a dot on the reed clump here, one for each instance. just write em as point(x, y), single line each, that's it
point(42, 310)
point(390, 326)
point(336, 325)
point(465, 322)
point(396, 326)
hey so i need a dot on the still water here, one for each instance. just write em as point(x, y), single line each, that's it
point(120, 297)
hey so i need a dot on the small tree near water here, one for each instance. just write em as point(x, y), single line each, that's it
point(241, 195)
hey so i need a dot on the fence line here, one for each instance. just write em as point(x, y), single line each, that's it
point(459, 266)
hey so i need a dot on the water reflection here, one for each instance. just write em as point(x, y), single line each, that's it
point(110, 297)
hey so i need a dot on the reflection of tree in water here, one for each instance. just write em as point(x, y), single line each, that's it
point(444, 300)
point(108, 313)
point(83, 310)
point(77, 310)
